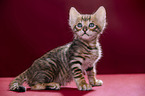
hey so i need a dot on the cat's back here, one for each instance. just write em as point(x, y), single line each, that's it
point(57, 53)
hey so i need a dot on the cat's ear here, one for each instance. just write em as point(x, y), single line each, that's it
point(73, 15)
point(100, 15)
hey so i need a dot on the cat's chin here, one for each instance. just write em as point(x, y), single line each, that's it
point(86, 37)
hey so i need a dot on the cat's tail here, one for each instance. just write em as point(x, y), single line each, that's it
point(16, 84)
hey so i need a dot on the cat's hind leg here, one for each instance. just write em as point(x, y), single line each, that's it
point(53, 86)
point(46, 86)
point(16, 87)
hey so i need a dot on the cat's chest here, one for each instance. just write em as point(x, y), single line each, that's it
point(90, 58)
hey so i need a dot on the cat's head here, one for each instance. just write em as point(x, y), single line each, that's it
point(87, 26)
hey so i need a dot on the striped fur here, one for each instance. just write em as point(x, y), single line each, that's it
point(65, 63)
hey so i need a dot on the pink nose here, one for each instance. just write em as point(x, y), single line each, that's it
point(85, 28)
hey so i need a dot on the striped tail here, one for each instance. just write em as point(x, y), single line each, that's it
point(16, 84)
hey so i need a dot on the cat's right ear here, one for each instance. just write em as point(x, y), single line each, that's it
point(73, 15)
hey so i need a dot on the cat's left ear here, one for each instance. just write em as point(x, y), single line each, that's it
point(73, 15)
point(100, 15)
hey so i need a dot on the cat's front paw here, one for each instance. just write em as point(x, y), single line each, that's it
point(95, 82)
point(84, 86)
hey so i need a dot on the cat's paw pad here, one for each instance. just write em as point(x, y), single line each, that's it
point(53, 86)
point(84, 87)
point(97, 83)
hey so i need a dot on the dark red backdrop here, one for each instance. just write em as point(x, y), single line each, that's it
point(29, 28)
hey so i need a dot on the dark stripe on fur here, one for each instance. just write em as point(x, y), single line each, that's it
point(89, 68)
point(76, 62)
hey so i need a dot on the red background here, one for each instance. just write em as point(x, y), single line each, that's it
point(29, 28)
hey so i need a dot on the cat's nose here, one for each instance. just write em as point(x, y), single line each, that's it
point(85, 28)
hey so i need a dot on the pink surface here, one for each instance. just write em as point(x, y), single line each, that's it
point(114, 85)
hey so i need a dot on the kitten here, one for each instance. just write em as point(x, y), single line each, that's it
point(65, 63)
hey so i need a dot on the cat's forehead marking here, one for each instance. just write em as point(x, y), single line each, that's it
point(86, 18)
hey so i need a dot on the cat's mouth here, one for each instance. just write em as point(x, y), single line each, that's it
point(85, 34)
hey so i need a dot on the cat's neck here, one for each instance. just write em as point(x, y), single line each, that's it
point(92, 44)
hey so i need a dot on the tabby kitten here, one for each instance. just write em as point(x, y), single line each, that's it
point(65, 63)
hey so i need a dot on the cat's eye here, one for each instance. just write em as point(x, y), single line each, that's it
point(91, 25)
point(79, 25)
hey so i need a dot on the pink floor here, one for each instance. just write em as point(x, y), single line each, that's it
point(114, 85)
